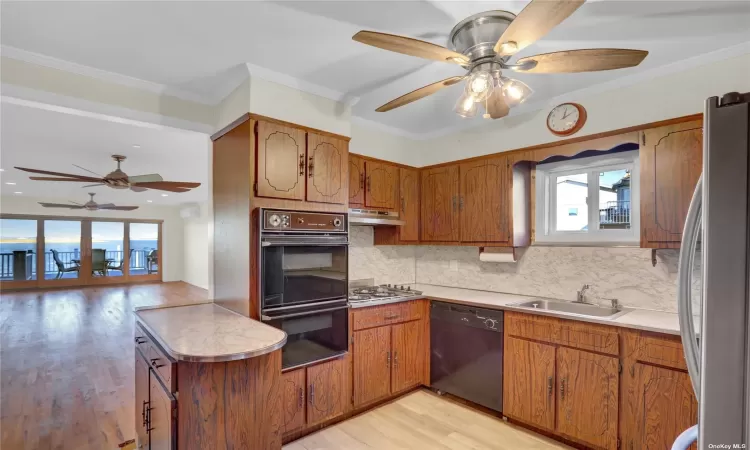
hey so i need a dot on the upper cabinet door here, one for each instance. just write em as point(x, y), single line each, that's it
point(588, 397)
point(356, 181)
point(440, 204)
point(484, 203)
point(280, 161)
point(327, 174)
point(381, 185)
point(671, 163)
point(409, 204)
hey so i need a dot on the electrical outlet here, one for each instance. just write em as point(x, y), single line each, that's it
point(454, 265)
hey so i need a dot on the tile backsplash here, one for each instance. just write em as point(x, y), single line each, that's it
point(558, 272)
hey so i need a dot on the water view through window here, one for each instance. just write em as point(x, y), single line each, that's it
point(62, 249)
point(17, 249)
point(144, 245)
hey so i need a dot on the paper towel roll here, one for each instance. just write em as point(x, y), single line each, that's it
point(496, 257)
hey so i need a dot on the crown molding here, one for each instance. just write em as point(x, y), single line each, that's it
point(112, 77)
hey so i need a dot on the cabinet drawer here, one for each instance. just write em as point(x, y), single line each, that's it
point(376, 316)
point(164, 366)
point(582, 335)
point(661, 350)
point(538, 328)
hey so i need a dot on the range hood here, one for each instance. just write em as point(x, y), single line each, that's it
point(370, 217)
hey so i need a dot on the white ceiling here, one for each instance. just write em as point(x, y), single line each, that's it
point(50, 140)
point(197, 46)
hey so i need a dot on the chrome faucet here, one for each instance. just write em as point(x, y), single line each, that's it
point(581, 295)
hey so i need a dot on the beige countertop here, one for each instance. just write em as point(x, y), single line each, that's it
point(641, 319)
point(206, 332)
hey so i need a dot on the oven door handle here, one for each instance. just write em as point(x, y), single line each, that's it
point(307, 313)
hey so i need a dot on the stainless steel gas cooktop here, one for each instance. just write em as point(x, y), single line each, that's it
point(385, 293)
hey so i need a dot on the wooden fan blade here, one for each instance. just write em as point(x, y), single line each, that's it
point(59, 179)
point(105, 205)
point(60, 174)
point(145, 178)
point(169, 184)
point(410, 46)
point(419, 93)
point(93, 185)
point(496, 105)
point(535, 21)
point(588, 60)
point(117, 208)
point(60, 205)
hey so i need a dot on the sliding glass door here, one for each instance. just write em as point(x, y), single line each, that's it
point(145, 250)
point(18, 250)
point(63, 253)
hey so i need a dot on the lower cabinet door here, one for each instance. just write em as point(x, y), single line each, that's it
point(161, 419)
point(293, 391)
point(326, 391)
point(665, 407)
point(529, 382)
point(372, 361)
point(588, 397)
point(407, 346)
point(141, 400)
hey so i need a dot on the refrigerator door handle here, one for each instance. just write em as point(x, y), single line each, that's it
point(684, 285)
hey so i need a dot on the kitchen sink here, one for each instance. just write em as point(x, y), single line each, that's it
point(571, 308)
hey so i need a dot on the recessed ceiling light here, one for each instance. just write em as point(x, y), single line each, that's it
point(11, 183)
point(164, 195)
point(150, 201)
point(136, 146)
point(18, 192)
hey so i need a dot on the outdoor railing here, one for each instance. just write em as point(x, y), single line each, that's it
point(615, 213)
point(138, 260)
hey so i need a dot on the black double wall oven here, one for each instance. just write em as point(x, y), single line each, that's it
point(304, 261)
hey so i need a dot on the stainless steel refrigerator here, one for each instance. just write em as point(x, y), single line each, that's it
point(714, 277)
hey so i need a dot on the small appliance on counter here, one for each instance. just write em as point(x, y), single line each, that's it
point(304, 271)
point(365, 293)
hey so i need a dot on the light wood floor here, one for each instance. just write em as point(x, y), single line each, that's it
point(66, 364)
point(422, 420)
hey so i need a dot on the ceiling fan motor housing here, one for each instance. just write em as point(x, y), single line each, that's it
point(477, 35)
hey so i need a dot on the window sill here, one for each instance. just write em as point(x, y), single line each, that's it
point(610, 244)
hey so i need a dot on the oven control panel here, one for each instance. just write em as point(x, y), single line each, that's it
point(303, 221)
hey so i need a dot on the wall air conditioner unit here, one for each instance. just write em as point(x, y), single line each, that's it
point(190, 211)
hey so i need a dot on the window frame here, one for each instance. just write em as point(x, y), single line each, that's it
point(546, 200)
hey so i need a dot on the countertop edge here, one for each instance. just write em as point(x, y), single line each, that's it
point(177, 356)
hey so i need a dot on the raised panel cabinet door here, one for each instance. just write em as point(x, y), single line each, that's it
point(408, 355)
point(665, 407)
point(484, 200)
point(371, 373)
point(326, 391)
point(356, 181)
point(381, 185)
point(409, 204)
point(439, 202)
point(529, 384)
point(141, 400)
point(671, 160)
point(280, 161)
point(162, 420)
point(293, 392)
point(327, 174)
point(587, 397)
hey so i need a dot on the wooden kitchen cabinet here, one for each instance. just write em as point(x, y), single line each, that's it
point(588, 397)
point(381, 185)
point(408, 356)
point(162, 420)
point(409, 199)
point(326, 391)
point(327, 175)
point(281, 164)
point(356, 181)
point(439, 202)
point(484, 201)
point(372, 364)
point(293, 403)
point(529, 382)
point(671, 161)
point(141, 400)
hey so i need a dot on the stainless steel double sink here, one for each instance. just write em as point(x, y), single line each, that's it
point(573, 309)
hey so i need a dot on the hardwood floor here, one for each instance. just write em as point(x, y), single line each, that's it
point(422, 420)
point(66, 364)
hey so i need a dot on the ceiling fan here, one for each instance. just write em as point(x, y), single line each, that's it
point(117, 179)
point(484, 43)
point(90, 205)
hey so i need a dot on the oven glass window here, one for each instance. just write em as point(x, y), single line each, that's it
point(301, 274)
point(312, 337)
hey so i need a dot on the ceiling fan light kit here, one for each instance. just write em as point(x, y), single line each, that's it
point(484, 43)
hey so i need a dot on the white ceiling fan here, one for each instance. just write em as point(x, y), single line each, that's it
point(485, 42)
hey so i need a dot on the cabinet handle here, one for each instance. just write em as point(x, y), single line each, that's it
point(139, 341)
point(302, 164)
point(562, 389)
point(403, 205)
point(395, 316)
point(143, 413)
point(154, 365)
point(395, 359)
point(388, 359)
point(312, 394)
point(632, 371)
point(362, 180)
point(299, 402)
point(453, 201)
point(549, 389)
point(369, 184)
point(460, 203)
point(310, 167)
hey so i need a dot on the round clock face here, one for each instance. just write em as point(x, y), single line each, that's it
point(565, 119)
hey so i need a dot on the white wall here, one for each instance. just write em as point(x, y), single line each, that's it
point(198, 258)
point(383, 145)
point(172, 229)
point(664, 97)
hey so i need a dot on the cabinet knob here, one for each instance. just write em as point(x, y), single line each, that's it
point(310, 167)
point(140, 339)
point(302, 164)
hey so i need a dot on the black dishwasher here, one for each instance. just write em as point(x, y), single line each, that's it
point(467, 353)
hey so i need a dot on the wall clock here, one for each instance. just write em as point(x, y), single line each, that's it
point(566, 119)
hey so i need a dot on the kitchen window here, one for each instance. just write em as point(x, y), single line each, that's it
point(592, 200)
